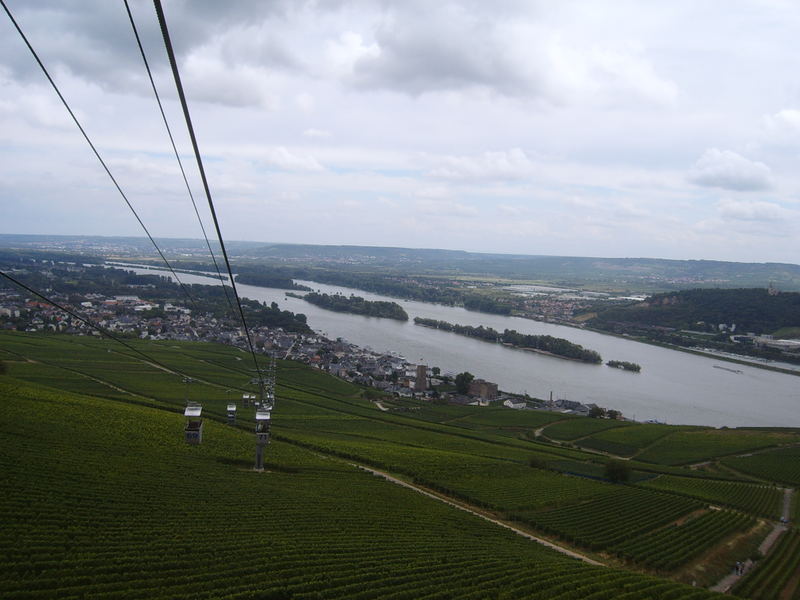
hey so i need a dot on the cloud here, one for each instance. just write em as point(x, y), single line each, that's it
point(508, 165)
point(344, 52)
point(783, 126)
point(444, 208)
point(731, 171)
point(743, 210)
point(210, 79)
point(285, 159)
point(448, 46)
point(316, 133)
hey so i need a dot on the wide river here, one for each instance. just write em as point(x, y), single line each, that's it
point(673, 387)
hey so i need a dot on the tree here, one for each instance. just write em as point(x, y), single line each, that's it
point(617, 471)
point(462, 382)
point(596, 412)
point(536, 463)
point(436, 371)
point(613, 414)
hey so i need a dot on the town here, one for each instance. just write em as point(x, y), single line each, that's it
point(390, 375)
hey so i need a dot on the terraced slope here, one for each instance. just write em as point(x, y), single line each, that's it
point(765, 500)
point(103, 500)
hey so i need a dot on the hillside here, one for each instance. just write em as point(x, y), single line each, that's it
point(650, 274)
point(114, 504)
point(750, 309)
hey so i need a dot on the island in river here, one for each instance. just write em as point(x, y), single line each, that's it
point(356, 305)
point(546, 344)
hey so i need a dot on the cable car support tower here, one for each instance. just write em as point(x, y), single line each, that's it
point(264, 413)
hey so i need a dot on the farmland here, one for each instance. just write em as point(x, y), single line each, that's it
point(777, 573)
point(778, 465)
point(764, 500)
point(104, 398)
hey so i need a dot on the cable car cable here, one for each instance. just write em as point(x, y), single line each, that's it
point(176, 75)
point(92, 146)
point(175, 150)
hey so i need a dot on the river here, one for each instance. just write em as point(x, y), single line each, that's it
point(673, 387)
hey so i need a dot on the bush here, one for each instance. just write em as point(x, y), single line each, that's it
point(617, 471)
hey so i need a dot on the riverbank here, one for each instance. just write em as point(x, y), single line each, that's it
point(673, 387)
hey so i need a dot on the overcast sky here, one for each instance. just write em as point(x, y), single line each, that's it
point(641, 128)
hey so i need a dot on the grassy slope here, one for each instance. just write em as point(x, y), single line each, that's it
point(471, 461)
point(104, 500)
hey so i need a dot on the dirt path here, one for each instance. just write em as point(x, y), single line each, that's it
point(787, 503)
point(764, 548)
point(524, 534)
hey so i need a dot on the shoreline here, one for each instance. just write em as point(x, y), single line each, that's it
point(730, 359)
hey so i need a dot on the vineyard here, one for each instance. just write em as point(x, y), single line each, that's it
point(686, 447)
point(628, 441)
point(779, 572)
point(761, 500)
point(114, 505)
point(485, 457)
point(668, 548)
point(578, 428)
point(778, 465)
point(611, 519)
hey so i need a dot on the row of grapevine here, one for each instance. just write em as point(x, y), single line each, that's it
point(764, 500)
point(687, 447)
point(608, 520)
point(781, 465)
point(104, 500)
point(772, 574)
point(670, 547)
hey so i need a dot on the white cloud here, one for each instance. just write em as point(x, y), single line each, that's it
point(504, 165)
point(210, 79)
point(447, 46)
point(444, 208)
point(783, 126)
point(316, 133)
point(283, 158)
point(344, 52)
point(731, 171)
point(743, 210)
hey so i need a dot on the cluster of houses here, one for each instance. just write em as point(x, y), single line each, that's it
point(131, 316)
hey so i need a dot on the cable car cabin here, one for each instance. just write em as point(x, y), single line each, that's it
point(231, 414)
point(194, 424)
point(263, 420)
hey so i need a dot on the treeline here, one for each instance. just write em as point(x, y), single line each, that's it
point(440, 292)
point(543, 343)
point(423, 289)
point(624, 364)
point(358, 305)
point(751, 309)
point(270, 279)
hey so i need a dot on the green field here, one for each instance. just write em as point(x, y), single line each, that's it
point(764, 500)
point(627, 441)
point(104, 500)
point(778, 576)
point(686, 447)
point(777, 465)
point(113, 438)
point(578, 428)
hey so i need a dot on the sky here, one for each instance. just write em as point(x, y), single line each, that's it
point(581, 128)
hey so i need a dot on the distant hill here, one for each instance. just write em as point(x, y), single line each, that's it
point(618, 274)
point(570, 271)
point(752, 309)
